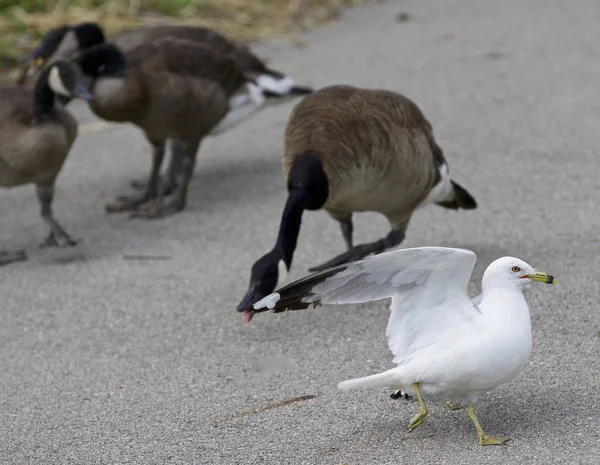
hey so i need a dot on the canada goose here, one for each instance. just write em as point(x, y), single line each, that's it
point(36, 135)
point(444, 342)
point(69, 40)
point(349, 150)
point(171, 89)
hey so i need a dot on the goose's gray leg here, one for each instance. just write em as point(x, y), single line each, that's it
point(177, 201)
point(7, 256)
point(357, 252)
point(166, 184)
point(58, 237)
point(347, 230)
point(131, 203)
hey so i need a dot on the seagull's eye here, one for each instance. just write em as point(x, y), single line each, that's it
point(515, 269)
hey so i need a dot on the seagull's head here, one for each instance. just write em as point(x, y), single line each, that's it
point(510, 271)
point(264, 277)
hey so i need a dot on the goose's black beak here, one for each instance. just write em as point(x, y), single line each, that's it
point(245, 306)
point(35, 62)
point(263, 280)
point(82, 92)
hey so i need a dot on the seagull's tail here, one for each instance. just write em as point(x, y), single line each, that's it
point(386, 380)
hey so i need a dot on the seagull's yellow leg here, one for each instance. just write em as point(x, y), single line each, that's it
point(483, 439)
point(419, 417)
point(454, 405)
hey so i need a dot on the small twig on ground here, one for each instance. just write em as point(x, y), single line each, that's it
point(264, 408)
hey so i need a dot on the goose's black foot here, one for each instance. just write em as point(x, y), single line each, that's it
point(160, 208)
point(13, 256)
point(128, 203)
point(165, 187)
point(59, 239)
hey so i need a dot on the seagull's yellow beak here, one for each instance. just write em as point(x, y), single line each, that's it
point(541, 277)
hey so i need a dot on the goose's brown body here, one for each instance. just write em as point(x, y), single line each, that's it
point(36, 135)
point(32, 153)
point(348, 150)
point(376, 147)
point(171, 89)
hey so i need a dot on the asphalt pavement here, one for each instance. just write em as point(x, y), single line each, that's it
point(109, 358)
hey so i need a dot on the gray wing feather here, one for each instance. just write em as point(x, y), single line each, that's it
point(375, 278)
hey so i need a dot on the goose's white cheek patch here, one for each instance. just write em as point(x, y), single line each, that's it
point(56, 83)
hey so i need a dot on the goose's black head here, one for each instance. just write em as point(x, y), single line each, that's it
point(102, 61)
point(264, 277)
point(64, 42)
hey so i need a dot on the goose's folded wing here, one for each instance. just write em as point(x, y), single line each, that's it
point(187, 58)
point(427, 274)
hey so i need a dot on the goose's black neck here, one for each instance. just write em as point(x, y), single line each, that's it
point(308, 189)
point(307, 174)
point(43, 98)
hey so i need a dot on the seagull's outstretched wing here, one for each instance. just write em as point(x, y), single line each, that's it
point(428, 274)
point(438, 304)
point(428, 287)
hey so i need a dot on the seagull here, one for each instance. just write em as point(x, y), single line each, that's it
point(444, 343)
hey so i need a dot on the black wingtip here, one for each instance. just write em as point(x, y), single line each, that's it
point(291, 296)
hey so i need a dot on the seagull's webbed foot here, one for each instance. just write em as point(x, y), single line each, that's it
point(493, 440)
point(484, 439)
point(419, 417)
point(454, 405)
point(357, 252)
point(12, 256)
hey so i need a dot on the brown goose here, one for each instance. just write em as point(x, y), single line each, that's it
point(171, 89)
point(68, 40)
point(36, 135)
point(349, 150)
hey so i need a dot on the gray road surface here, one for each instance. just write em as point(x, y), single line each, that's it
point(113, 361)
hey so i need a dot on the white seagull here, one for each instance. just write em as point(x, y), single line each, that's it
point(444, 343)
